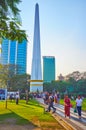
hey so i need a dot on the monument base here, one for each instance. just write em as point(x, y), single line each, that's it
point(36, 85)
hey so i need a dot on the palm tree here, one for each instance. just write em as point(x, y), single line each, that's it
point(9, 21)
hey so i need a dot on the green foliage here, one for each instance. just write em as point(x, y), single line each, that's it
point(81, 86)
point(71, 87)
point(10, 23)
point(10, 29)
point(60, 86)
point(9, 7)
point(84, 104)
point(12, 81)
point(19, 82)
point(6, 73)
point(47, 87)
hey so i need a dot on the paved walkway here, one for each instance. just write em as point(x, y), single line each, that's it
point(74, 116)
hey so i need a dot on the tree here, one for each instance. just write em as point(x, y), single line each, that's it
point(6, 73)
point(61, 86)
point(47, 87)
point(13, 82)
point(19, 82)
point(9, 21)
point(9, 6)
point(81, 87)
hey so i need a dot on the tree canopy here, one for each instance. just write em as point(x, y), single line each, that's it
point(10, 80)
point(71, 87)
point(10, 24)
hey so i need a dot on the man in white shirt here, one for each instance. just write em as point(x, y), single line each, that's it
point(17, 98)
point(79, 105)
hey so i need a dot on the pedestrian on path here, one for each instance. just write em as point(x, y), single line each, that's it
point(79, 105)
point(58, 97)
point(55, 98)
point(17, 98)
point(50, 103)
point(46, 97)
point(67, 105)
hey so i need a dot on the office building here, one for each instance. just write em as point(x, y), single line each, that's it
point(14, 53)
point(48, 68)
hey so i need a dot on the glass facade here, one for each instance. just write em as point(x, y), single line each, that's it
point(14, 53)
point(4, 53)
point(22, 57)
point(48, 68)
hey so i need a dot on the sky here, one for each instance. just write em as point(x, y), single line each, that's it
point(62, 32)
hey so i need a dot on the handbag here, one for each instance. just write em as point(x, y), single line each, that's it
point(75, 110)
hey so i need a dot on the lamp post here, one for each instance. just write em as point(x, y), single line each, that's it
point(6, 96)
point(26, 96)
point(6, 103)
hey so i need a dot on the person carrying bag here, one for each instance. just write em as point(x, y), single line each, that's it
point(75, 109)
point(79, 105)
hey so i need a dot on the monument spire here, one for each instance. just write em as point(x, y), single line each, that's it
point(36, 83)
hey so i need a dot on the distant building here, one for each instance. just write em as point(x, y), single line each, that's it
point(14, 53)
point(48, 68)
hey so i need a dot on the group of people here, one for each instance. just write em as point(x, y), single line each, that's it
point(68, 105)
point(55, 95)
point(14, 97)
point(51, 99)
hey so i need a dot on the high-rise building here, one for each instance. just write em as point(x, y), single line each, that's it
point(48, 68)
point(36, 83)
point(14, 53)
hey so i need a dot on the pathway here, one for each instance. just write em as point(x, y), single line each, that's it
point(81, 123)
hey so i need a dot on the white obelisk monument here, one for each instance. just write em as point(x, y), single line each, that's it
point(36, 83)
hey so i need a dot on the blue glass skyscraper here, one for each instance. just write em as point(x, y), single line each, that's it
point(14, 53)
point(48, 68)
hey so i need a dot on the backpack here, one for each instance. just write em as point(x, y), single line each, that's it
point(52, 99)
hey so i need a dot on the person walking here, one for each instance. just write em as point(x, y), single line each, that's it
point(46, 97)
point(79, 105)
point(55, 98)
point(50, 103)
point(17, 98)
point(67, 106)
point(58, 97)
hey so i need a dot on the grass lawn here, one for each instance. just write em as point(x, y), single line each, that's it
point(73, 103)
point(31, 113)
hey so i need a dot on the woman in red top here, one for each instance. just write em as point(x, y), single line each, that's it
point(67, 106)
